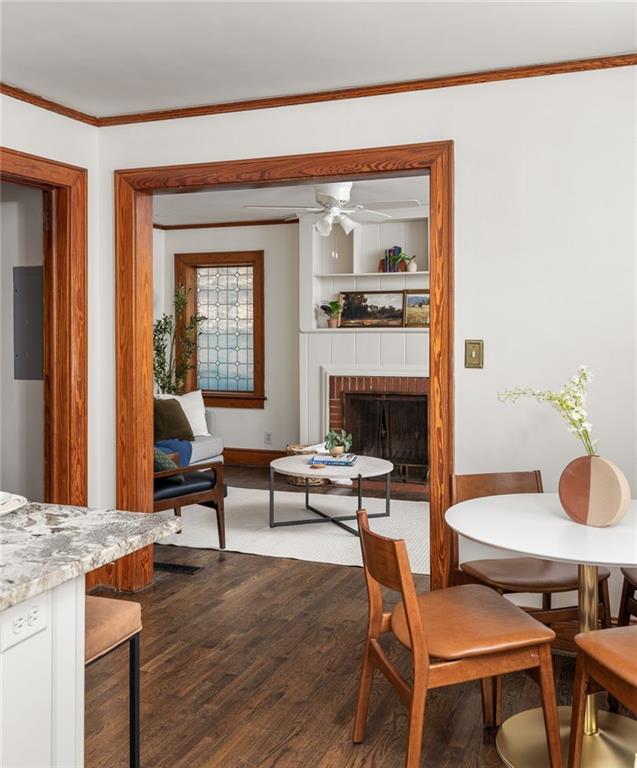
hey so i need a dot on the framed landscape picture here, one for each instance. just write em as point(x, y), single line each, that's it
point(417, 309)
point(372, 309)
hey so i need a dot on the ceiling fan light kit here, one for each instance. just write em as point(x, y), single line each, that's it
point(333, 207)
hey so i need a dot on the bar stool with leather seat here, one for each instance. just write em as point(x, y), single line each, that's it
point(608, 658)
point(520, 574)
point(454, 635)
point(628, 604)
point(109, 624)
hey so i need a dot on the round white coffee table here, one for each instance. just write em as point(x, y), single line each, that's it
point(366, 466)
point(535, 524)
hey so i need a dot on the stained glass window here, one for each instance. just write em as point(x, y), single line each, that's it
point(225, 350)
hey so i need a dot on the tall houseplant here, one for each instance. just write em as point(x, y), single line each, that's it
point(174, 344)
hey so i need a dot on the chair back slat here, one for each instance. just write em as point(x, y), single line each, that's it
point(380, 555)
point(386, 563)
point(465, 487)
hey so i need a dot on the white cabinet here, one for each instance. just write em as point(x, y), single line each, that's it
point(42, 680)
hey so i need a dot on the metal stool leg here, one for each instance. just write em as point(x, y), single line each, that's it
point(134, 701)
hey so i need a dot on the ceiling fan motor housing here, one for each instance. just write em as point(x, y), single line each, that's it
point(339, 191)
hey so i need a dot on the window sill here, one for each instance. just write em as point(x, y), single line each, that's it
point(233, 400)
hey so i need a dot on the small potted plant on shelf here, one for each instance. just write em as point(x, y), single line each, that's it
point(409, 261)
point(333, 311)
point(338, 442)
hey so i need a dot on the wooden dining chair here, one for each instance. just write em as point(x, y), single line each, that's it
point(520, 574)
point(628, 604)
point(608, 658)
point(454, 635)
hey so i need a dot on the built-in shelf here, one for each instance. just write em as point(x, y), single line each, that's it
point(372, 274)
point(366, 330)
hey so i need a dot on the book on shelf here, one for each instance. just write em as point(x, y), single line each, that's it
point(390, 261)
point(345, 460)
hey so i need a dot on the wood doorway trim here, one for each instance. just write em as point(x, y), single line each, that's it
point(65, 312)
point(134, 310)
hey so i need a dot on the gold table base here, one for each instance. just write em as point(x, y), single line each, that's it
point(521, 741)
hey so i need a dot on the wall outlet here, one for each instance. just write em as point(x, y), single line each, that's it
point(267, 438)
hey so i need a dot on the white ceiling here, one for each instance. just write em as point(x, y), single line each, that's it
point(227, 205)
point(109, 58)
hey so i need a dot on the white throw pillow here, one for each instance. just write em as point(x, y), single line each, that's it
point(195, 410)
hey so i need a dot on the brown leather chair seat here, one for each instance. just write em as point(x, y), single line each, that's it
point(108, 624)
point(614, 649)
point(526, 574)
point(470, 620)
point(631, 575)
point(607, 657)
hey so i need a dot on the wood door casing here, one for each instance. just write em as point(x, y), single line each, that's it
point(65, 319)
point(133, 231)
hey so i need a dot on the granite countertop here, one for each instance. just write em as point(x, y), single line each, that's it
point(43, 545)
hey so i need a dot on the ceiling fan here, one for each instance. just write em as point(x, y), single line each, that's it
point(333, 207)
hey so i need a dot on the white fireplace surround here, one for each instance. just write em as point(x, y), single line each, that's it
point(342, 370)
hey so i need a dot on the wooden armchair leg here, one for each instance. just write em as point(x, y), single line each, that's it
point(492, 701)
point(577, 714)
point(549, 706)
point(416, 721)
point(623, 620)
point(221, 524)
point(178, 514)
point(364, 692)
point(605, 600)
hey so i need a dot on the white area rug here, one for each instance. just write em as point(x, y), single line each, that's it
point(247, 528)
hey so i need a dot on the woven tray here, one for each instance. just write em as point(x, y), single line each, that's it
point(295, 449)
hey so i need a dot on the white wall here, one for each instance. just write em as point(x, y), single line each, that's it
point(544, 240)
point(21, 401)
point(544, 236)
point(243, 427)
point(39, 132)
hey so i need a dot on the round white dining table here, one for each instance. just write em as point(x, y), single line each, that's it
point(535, 524)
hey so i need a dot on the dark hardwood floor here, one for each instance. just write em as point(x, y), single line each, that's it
point(253, 662)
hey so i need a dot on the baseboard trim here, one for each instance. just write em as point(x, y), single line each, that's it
point(250, 457)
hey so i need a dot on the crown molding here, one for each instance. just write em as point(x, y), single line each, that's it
point(406, 86)
point(52, 106)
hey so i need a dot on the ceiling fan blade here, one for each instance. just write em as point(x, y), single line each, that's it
point(366, 215)
point(393, 204)
point(313, 209)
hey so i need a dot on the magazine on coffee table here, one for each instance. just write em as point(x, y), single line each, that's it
point(345, 460)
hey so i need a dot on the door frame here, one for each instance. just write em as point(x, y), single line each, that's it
point(134, 308)
point(65, 319)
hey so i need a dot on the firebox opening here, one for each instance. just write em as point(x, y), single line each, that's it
point(392, 427)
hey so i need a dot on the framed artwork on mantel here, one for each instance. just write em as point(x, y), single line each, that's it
point(372, 309)
point(416, 309)
point(385, 309)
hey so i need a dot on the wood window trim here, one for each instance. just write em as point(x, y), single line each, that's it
point(186, 265)
point(134, 308)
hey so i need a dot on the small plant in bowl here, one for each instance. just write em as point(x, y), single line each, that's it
point(333, 311)
point(338, 442)
point(409, 261)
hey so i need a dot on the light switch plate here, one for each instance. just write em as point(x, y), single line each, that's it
point(474, 353)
